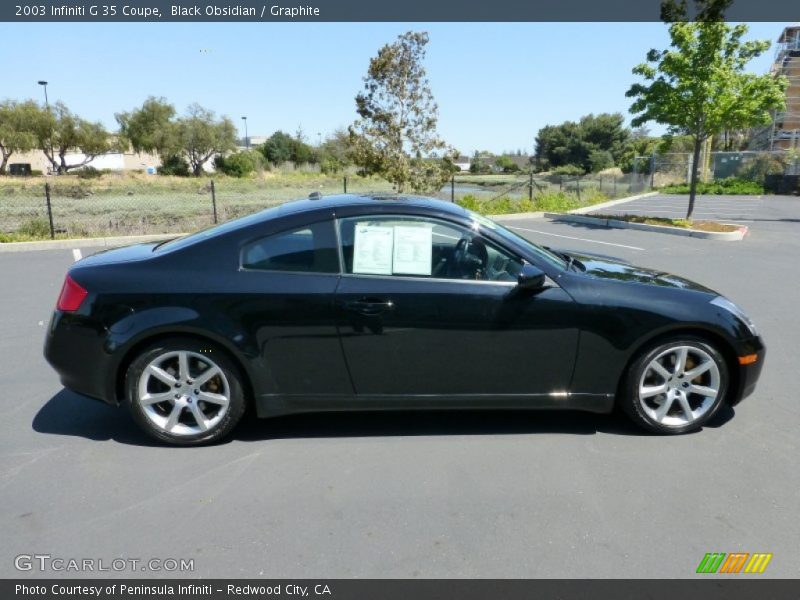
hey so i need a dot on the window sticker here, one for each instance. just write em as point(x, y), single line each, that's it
point(372, 250)
point(413, 248)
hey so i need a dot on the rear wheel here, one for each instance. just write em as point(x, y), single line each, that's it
point(184, 392)
point(676, 386)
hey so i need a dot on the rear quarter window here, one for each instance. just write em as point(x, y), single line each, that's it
point(307, 249)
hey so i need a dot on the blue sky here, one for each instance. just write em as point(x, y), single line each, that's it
point(496, 84)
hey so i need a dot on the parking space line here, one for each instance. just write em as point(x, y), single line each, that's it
point(683, 212)
point(76, 254)
point(569, 237)
point(683, 208)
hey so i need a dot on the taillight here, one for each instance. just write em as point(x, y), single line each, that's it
point(71, 296)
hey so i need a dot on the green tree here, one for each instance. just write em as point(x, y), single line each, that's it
point(698, 86)
point(278, 148)
point(335, 153)
point(17, 134)
point(150, 128)
point(281, 148)
point(605, 132)
point(599, 160)
point(200, 136)
point(506, 164)
point(573, 143)
point(637, 146)
point(395, 135)
point(302, 153)
point(59, 131)
point(481, 162)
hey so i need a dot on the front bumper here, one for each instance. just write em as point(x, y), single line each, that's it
point(748, 374)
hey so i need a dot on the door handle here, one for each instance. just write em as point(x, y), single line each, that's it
point(368, 306)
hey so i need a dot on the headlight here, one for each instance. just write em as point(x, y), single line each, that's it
point(726, 304)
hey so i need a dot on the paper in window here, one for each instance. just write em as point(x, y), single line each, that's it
point(372, 249)
point(413, 247)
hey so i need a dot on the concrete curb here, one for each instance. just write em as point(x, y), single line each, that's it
point(594, 207)
point(727, 236)
point(107, 242)
point(517, 216)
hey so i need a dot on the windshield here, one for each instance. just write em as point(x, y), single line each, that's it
point(517, 239)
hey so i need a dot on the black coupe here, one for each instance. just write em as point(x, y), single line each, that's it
point(384, 302)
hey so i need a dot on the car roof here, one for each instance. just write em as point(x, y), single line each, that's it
point(315, 202)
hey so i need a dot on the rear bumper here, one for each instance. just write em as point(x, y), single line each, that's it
point(75, 348)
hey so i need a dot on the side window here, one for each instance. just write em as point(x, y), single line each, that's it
point(308, 249)
point(420, 247)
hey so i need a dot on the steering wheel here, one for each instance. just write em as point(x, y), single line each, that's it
point(471, 258)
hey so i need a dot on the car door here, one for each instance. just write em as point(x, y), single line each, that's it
point(430, 307)
point(290, 277)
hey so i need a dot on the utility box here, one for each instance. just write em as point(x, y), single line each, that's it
point(782, 184)
point(20, 169)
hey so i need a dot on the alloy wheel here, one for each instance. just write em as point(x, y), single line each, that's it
point(679, 385)
point(183, 393)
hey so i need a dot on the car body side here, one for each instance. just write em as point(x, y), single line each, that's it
point(266, 320)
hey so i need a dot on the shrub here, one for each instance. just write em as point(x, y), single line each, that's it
point(330, 165)
point(239, 164)
point(88, 172)
point(759, 167)
point(730, 186)
point(568, 170)
point(548, 201)
point(174, 165)
point(35, 228)
point(479, 167)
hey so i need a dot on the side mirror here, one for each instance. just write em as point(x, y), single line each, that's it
point(530, 278)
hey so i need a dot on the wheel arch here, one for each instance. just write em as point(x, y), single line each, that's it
point(136, 348)
point(719, 341)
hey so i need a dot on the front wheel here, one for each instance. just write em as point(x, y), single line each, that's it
point(184, 392)
point(676, 386)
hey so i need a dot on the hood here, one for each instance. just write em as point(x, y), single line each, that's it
point(119, 255)
point(606, 267)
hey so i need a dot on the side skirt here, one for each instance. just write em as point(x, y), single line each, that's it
point(273, 405)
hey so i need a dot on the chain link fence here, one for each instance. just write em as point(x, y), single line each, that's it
point(125, 204)
point(530, 185)
point(121, 205)
point(69, 207)
point(674, 168)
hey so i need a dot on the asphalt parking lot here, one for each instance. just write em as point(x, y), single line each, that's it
point(419, 495)
point(731, 209)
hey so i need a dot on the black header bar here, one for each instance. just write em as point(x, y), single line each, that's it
point(370, 10)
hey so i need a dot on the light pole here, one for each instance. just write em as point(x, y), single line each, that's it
point(44, 85)
point(246, 138)
point(47, 105)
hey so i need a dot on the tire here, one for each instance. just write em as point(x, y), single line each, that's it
point(185, 392)
point(663, 397)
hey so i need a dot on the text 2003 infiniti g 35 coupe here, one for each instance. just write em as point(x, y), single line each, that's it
point(383, 302)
